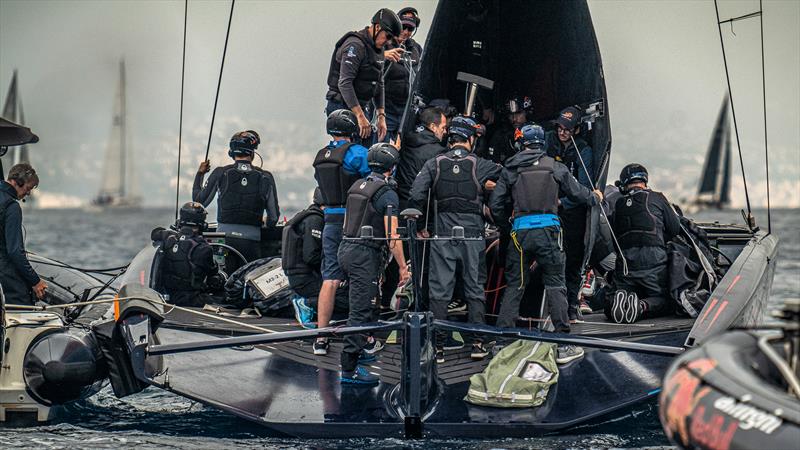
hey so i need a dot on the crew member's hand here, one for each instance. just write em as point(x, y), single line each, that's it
point(205, 166)
point(405, 275)
point(381, 127)
point(489, 185)
point(39, 288)
point(364, 128)
point(423, 234)
point(599, 194)
point(397, 142)
point(394, 54)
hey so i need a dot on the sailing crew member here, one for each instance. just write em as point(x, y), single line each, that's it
point(456, 180)
point(188, 269)
point(336, 167)
point(422, 144)
point(301, 259)
point(517, 110)
point(396, 77)
point(355, 76)
point(533, 182)
point(643, 222)
point(370, 201)
point(245, 192)
point(17, 277)
point(572, 214)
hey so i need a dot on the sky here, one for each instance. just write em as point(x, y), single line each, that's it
point(662, 64)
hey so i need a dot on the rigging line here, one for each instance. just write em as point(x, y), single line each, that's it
point(746, 16)
point(180, 120)
point(219, 81)
point(733, 113)
point(764, 96)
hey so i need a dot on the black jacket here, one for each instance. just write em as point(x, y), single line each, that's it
point(418, 147)
point(13, 261)
point(269, 192)
point(355, 64)
point(445, 221)
point(666, 223)
point(500, 202)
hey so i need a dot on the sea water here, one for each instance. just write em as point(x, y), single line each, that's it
point(157, 419)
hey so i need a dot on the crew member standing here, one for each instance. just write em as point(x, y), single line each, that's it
point(188, 270)
point(644, 222)
point(17, 277)
point(533, 182)
point(502, 145)
point(245, 193)
point(371, 201)
point(396, 78)
point(336, 167)
point(456, 180)
point(355, 77)
point(573, 215)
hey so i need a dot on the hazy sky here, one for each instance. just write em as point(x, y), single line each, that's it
point(662, 62)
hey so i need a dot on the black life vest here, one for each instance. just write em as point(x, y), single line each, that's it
point(361, 210)
point(396, 78)
point(456, 186)
point(634, 223)
point(240, 200)
point(178, 271)
point(536, 189)
point(366, 82)
point(331, 177)
point(292, 243)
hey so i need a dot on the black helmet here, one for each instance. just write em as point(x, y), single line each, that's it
point(192, 214)
point(463, 126)
point(388, 21)
point(631, 173)
point(517, 104)
point(409, 14)
point(342, 122)
point(382, 157)
point(244, 143)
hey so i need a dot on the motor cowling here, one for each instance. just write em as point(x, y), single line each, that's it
point(64, 366)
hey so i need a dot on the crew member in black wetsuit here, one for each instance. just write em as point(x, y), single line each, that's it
point(560, 147)
point(644, 222)
point(301, 258)
point(245, 192)
point(457, 180)
point(188, 270)
point(355, 76)
point(369, 201)
point(533, 183)
point(336, 167)
point(396, 77)
point(18, 279)
point(502, 144)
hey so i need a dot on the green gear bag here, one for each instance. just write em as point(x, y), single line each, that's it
point(519, 376)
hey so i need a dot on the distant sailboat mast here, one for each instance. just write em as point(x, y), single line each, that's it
point(123, 132)
point(12, 110)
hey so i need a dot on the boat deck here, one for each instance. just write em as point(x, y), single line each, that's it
point(458, 366)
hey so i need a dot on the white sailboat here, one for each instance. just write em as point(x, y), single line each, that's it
point(12, 110)
point(118, 188)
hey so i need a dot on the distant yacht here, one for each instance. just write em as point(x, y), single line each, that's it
point(715, 186)
point(119, 188)
point(12, 110)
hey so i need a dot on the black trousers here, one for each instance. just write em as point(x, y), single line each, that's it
point(573, 224)
point(363, 265)
point(540, 245)
point(307, 285)
point(650, 286)
point(248, 248)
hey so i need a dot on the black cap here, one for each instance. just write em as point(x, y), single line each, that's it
point(569, 118)
point(409, 16)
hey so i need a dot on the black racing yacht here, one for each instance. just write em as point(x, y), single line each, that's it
point(263, 369)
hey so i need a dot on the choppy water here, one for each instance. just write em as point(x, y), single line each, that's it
point(155, 419)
